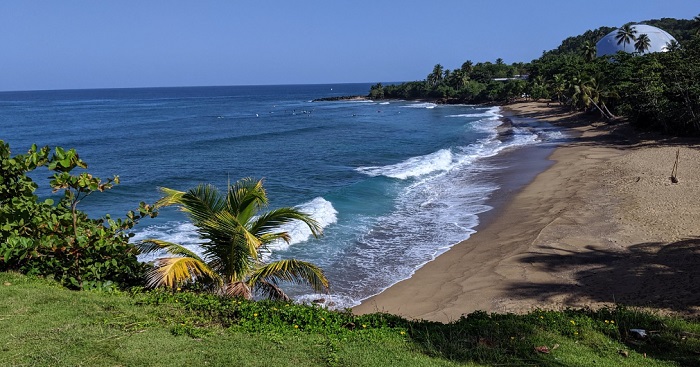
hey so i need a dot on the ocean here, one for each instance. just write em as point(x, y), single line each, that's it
point(393, 183)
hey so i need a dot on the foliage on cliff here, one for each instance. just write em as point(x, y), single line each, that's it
point(56, 239)
point(659, 91)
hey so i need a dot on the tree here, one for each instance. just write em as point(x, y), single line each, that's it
point(673, 45)
point(626, 34)
point(589, 51)
point(467, 67)
point(558, 87)
point(234, 233)
point(436, 76)
point(376, 91)
point(40, 237)
point(642, 44)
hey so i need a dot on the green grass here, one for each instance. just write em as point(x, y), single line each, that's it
point(43, 324)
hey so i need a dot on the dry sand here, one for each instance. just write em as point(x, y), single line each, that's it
point(603, 225)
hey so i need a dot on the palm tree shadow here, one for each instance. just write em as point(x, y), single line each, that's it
point(654, 275)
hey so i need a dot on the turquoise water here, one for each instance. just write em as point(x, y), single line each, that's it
point(393, 183)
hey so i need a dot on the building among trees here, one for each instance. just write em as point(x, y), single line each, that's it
point(635, 38)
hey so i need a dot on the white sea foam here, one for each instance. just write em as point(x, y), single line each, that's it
point(421, 105)
point(384, 103)
point(445, 160)
point(181, 233)
point(552, 135)
point(493, 112)
point(414, 166)
point(330, 301)
point(320, 209)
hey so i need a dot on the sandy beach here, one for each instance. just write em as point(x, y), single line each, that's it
point(603, 225)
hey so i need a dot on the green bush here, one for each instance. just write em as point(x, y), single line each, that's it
point(41, 237)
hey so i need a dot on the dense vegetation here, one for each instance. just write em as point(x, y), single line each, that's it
point(56, 239)
point(46, 325)
point(122, 323)
point(659, 91)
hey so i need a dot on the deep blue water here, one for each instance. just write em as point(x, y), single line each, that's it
point(394, 183)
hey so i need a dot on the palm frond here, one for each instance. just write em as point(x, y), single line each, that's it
point(236, 289)
point(151, 245)
point(171, 197)
point(224, 227)
point(245, 197)
point(232, 259)
point(171, 271)
point(201, 203)
point(294, 271)
point(272, 237)
point(270, 221)
point(271, 291)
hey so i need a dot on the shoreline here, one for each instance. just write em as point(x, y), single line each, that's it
point(600, 226)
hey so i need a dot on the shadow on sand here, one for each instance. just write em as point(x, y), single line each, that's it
point(654, 275)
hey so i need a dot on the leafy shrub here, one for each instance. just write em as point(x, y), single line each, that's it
point(56, 239)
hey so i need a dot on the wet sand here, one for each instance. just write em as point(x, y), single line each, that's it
point(603, 225)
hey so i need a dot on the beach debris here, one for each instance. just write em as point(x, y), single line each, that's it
point(674, 171)
point(7, 283)
point(319, 300)
point(542, 349)
point(623, 353)
point(639, 333)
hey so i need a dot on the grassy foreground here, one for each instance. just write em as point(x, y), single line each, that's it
point(44, 324)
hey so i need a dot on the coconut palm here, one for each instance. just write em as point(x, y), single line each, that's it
point(642, 44)
point(589, 51)
point(673, 45)
point(467, 67)
point(234, 232)
point(587, 91)
point(626, 34)
point(436, 76)
point(558, 86)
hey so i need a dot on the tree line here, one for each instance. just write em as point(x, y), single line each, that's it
point(659, 91)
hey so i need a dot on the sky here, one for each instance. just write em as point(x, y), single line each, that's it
point(121, 44)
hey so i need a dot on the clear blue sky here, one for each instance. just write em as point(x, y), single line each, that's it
point(105, 44)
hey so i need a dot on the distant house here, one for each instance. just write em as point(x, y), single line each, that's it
point(516, 77)
point(659, 40)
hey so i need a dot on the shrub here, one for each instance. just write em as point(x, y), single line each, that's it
point(41, 237)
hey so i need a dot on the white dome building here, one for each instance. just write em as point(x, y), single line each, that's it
point(659, 40)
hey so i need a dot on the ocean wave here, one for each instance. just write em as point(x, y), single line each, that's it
point(552, 135)
point(320, 209)
point(493, 113)
point(447, 159)
point(185, 233)
point(429, 218)
point(428, 105)
point(330, 301)
point(414, 166)
point(182, 233)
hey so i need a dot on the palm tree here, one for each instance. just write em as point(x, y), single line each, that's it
point(235, 233)
point(642, 44)
point(558, 86)
point(626, 34)
point(589, 51)
point(467, 67)
point(673, 45)
point(436, 76)
point(586, 91)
